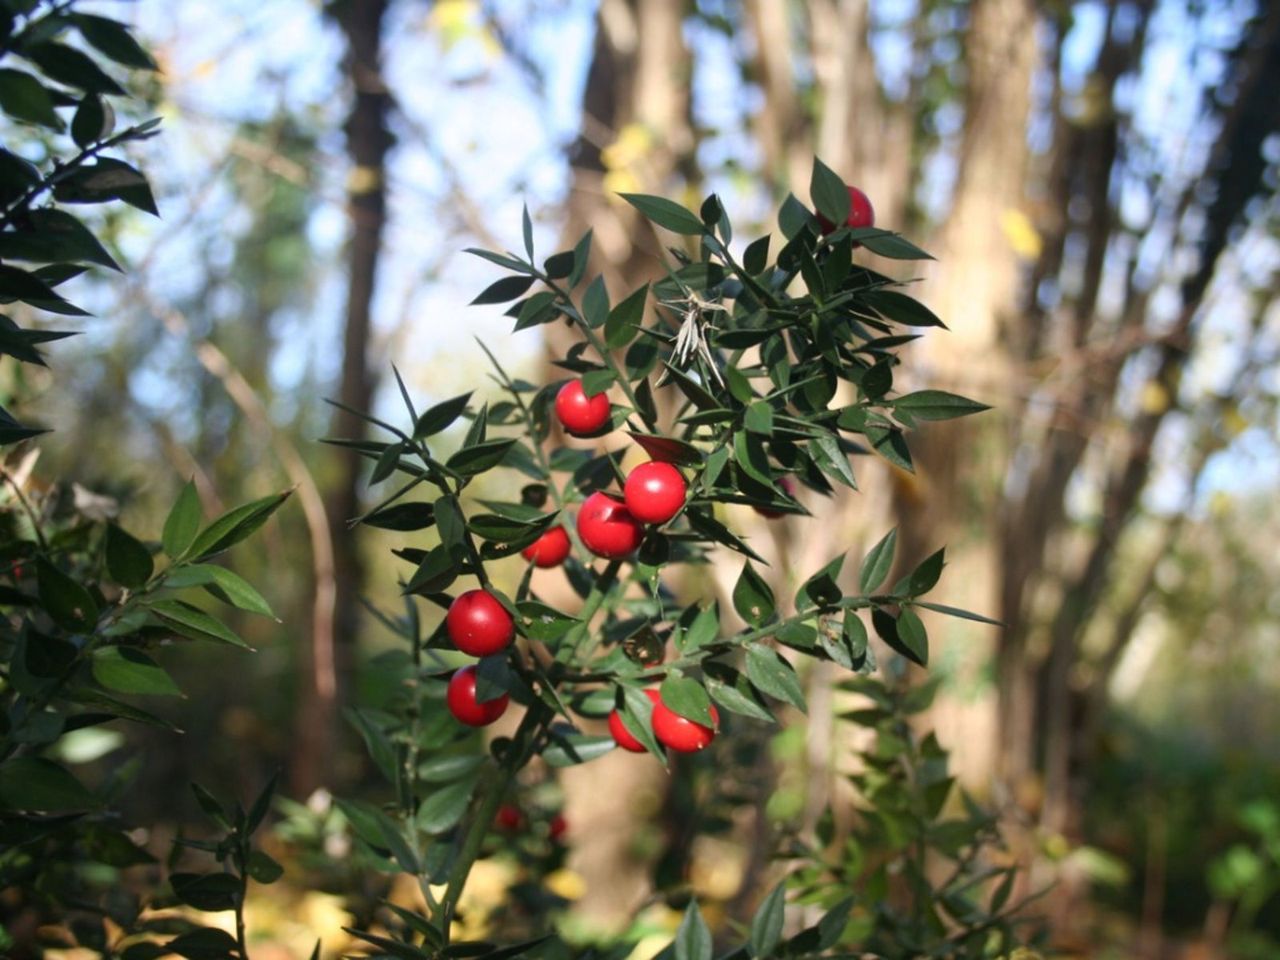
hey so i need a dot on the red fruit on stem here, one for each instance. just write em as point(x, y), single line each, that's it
point(860, 212)
point(621, 735)
point(655, 492)
point(557, 828)
point(479, 624)
point(607, 527)
point(680, 733)
point(550, 549)
point(508, 818)
point(462, 702)
point(580, 414)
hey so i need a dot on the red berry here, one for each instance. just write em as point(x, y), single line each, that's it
point(607, 527)
point(789, 486)
point(557, 828)
point(860, 212)
point(550, 549)
point(621, 735)
point(655, 492)
point(478, 624)
point(579, 414)
point(463, 704)
point(680, 733)
point(508, 818)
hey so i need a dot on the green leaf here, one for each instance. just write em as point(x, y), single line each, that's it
point(526, 225)
point(470, 461)
point(126, 670)
point(937, 405)
point(756, 257)
point(70, 605)
point(766, 925)
point(445, 806)
point(23, 97)
point(759, 418)
point(693, 939)
point(595, 303)
point(503, 290)
point(541, 622)
point(402, 517)
point(829, 193)
point(194, 623)
point(37, 784)
point(206, 943)
point(913, 634)
point(558, 265)
point(826, 453)
point(888, 244)
point(233, 589)
point(263, 868)
point(182, 523)
point(71, 67)
point(773, 675)
point(821, 589)
point(568, 749)
point(53, 236)
point(752, 597)
point(107, 179)
point(210, 805)
point(128, 561)
point(211, 892)
point(234, 526)
point(958, 613)
point(665, 213)
point(112, 39)
point(688, 698)
point(440, 416)
point(734, 692)
point(793, 216)
point(878, 562)
point(18, 284)
point(668, 449)
point(923, 578)
point(581, 257)
point(623, 319)
point(908, 639)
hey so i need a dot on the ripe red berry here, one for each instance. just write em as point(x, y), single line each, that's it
point(478, 624)
point(550, 549)
point(655, 492)
point(557, 828)
point(508, 818)
point(680, 733)
point(860, 212)
point(579, 414)
point(621, 735)
point(789, 486)
point(607, 527)
point(461, 698)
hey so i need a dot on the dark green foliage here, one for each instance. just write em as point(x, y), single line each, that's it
point(86, 607)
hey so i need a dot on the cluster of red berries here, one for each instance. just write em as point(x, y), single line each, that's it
point(478, 624)
point(669, 728)
point(608, 525)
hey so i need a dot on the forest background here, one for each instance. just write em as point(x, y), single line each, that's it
point(1098, 183)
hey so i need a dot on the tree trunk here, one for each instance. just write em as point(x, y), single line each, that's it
point(368, 141)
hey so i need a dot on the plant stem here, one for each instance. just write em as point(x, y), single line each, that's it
point(491, 793)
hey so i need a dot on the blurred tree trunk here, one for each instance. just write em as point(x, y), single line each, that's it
point(368, 141)
point(974, 288)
